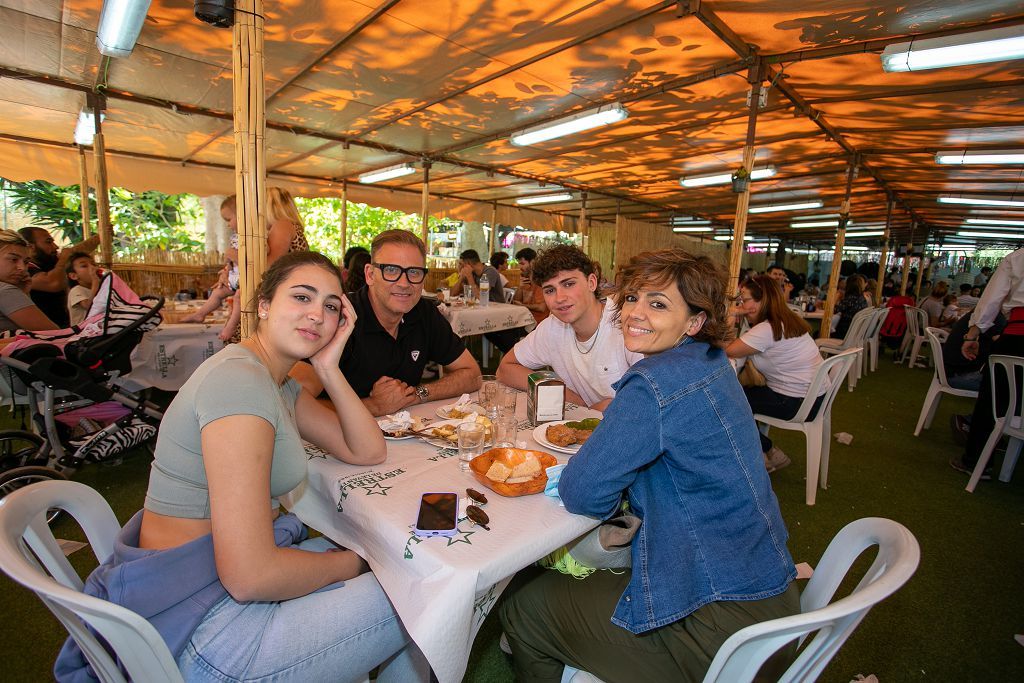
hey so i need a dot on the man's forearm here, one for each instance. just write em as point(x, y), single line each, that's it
point(514, 375)
point(454, 383)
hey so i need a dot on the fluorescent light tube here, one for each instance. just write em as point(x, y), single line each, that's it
point(85, 128)
point(816, 224)
point(978, 47)
point(980, 201)
point(544, 199)
point(592, 118)
point(724, 178)
point(705, 228)
point(991, 235)
point(848, 248)
point(728, 238)
point(980, 157)
point(760, 245)
point(953, 247)
point(768, 208)
point(120, 24)
point(388, 173)
point(995, 222)
point(690, 220)
point(869, 233)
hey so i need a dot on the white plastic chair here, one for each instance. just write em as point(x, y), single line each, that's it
point(818, 431)
point(29, 554)
point(871, 336)
point(510, 294)
point(743, 654)
point(1010, 423)
point(917, 321)
point(855, 338)
point(939, 385)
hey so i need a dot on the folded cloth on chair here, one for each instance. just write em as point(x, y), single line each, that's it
point(173, 588)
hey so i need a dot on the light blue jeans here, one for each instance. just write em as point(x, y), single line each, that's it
point(338, 633)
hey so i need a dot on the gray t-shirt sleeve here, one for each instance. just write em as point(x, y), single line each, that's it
point(237, 388)
point(12, 299)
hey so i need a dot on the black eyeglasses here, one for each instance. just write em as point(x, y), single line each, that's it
point(391, 273)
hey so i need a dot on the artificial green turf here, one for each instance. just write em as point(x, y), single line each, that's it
point(954, 621)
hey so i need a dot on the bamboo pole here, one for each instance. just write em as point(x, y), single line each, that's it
point(905, 276)
point(837, 255)
point(743, 200)
point(879, 282)
point(920, 271)
point(102, 197)
point(493, 242)
point(250, 158)
point(425, 202)
point(83, 189)
point(344, 217)
point(584, 233)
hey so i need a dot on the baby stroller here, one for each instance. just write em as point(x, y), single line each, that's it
point(66, 379)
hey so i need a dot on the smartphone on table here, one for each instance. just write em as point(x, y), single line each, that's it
point(438, 515)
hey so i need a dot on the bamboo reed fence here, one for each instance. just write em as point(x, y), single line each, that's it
point(165, 273)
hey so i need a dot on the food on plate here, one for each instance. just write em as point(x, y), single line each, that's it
point(447, 432)
point(571, 433)
point(456, 414)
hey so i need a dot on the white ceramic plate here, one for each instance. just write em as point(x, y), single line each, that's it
point(472, 407)
point(540, 436)
point(437, 440)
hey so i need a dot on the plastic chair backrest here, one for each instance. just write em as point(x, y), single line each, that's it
point(740, 657)
point(1010, 369)
point(932, 334)
point(30, 555)
point(875, 326)
point(917, 320)
point(834, 368)
point(510, 294)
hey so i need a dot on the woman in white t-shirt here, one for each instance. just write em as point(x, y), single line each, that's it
point(782, 349)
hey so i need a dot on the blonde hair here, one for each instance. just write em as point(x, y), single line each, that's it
point(10, 238)
point(281, 206)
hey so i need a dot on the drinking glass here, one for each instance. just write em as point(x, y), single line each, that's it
point(467, 294)
point(471, 443)
point(505, 430)
point(488, 392)
point(505, 398)
point(446, 295)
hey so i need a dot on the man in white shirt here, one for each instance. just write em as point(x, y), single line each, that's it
point(1004, 292)
point(580, 340)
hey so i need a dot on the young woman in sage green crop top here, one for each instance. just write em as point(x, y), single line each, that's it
point(230, 442)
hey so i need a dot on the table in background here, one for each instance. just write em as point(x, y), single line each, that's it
point(167, 356)
point(441, 588)
point(471, 320)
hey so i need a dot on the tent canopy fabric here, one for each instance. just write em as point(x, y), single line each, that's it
point(355, 86)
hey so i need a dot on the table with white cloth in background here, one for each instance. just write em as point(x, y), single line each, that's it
point(442, 588)
point(167, 356)
point(470, 320)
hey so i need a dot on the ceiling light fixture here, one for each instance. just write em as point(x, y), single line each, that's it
point(815, 224)
point(85, 128)
point(728, 238)
point(388, 173)
point(953, 247)
point(980, 157)
point(980, 200)
point(690, 220)
point(698, 228)
point(869, 233)
point(120, 24)
point(849, 248)
point(995, 222)
point(724, 178)
point(978, 47)
point(544, 199)
point(991, 235)
point(768, 208)
point(585, 120)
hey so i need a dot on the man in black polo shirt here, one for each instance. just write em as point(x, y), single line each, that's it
point(397, 334)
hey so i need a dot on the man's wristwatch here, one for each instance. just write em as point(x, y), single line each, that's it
point(422, 393)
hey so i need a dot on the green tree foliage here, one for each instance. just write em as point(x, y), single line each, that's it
point(141, 220)
point(322, 216)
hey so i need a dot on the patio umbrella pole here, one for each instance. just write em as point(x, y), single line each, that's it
point(83, 188)
point(102, 198)
point(250, 161)
point(743, 200)
point(425, 202)
point(344, 217)
point(837, 255)
point(880, 280)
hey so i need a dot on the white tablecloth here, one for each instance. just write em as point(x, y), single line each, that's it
point(442, 588)
point(168, 355)
point(470, 320)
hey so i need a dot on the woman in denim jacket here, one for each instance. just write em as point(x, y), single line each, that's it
point(679, 442)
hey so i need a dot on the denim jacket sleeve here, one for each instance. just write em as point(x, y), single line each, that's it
point(628, 438)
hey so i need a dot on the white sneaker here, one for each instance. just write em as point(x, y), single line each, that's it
point(775, 459)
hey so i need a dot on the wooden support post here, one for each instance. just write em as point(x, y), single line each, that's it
point(250, 154)
point(344, 218)
point(880, 281)
point(905, 275)
point(743, 199)
point(425, 204)
point(493, 242)
point(583, 222)
point(102, 196)
point(920, 271)
point(837, 255)
point(83, 189)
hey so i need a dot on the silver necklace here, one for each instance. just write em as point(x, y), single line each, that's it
point(593, 342)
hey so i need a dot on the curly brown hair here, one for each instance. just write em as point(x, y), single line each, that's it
point(558, 258)
point(699, 280)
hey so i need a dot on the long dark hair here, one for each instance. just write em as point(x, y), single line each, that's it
point(356, 278)
point(280, 269)
point(785, 323)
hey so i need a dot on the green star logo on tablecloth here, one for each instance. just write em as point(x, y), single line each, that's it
point(460, 537)
point(377, 489)
point(482, 605)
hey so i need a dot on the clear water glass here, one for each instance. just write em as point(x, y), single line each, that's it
point(506, 428)
point(471, 442)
